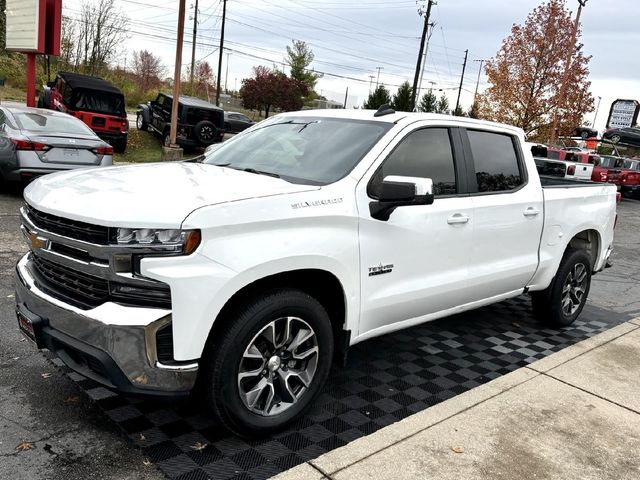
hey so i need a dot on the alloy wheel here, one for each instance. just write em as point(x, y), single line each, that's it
point(278, 366)
point(574, 288)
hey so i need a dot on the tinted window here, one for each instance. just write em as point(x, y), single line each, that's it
point(496, 161)
point(553, 154)
point(311, 150)
point(424, 153)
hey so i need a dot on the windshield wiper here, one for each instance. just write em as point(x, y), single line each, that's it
point(260, 172)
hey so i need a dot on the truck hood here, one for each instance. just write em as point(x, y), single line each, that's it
point(157, 195)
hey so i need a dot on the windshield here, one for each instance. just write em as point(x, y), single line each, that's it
point(631, 165)
point(310, 150)
point(38, 122)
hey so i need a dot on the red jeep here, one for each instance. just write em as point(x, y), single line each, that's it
point(93, 100)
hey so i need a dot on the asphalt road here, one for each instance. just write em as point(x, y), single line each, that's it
point(69, 438)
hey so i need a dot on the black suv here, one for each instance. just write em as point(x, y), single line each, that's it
point(200, 123)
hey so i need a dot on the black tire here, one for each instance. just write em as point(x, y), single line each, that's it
point(205, 132)
point(224, 353)
point(166, 139)
point(120, 145)
point(615, 138)
point(141, 124)
point(548, 304)
point(584, 135)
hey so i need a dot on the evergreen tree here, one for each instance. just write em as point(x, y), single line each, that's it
point(443, 105)
point(474, 111)
point(429, 102)
point(402, 99)
point(458, 112)
point(379, 97)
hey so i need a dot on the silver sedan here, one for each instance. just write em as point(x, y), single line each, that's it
point(34, 142)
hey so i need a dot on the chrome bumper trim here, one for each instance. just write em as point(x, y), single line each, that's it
point(126, 343)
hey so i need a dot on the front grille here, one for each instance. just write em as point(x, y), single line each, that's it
point(65, 227)
point(79, 289)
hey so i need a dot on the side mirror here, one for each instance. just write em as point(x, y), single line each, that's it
point(400, 191)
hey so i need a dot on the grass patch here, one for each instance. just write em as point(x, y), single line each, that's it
point(142, 147)
point(7, 92)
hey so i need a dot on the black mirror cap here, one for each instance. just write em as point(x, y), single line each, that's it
point(397, 191)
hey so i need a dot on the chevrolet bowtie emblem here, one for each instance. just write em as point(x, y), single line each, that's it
point(36, 241)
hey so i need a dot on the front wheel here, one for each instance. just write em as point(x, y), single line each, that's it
point(140, 123)
point(267, 365)
point(562, 301)
point(616, 138)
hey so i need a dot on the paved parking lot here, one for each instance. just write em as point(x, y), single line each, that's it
point(74, 434)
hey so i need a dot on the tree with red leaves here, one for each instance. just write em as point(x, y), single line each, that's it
point(526, 73)
point(268, 88)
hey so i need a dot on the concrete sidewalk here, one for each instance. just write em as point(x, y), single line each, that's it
point(572, 415)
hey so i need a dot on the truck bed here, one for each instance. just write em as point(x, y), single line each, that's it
point(556, 182)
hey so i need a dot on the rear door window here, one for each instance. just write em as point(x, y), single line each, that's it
point(497, 163)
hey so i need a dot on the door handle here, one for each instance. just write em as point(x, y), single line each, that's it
point(531, 212)
point(457, 218)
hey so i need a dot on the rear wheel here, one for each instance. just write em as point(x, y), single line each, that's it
point(562, 301)
point(584, 135)
point(616, 138)
point(269, 363)
point(141, 124)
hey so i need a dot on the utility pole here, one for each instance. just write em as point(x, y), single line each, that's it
point(464, 66)
point(371, 77)
point(193, 45)
point(176, 78)
point(422, 41)
point(424, 63)
point(226, 75)
point(565, 75)
point(224, 17)
point(378, 79)
point(482, 60)
point(596, 114)
point(346, 94)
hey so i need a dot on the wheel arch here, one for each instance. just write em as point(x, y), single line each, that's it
point(588, 240)
point(320, 284)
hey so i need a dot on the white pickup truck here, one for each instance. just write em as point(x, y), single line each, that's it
point(246, 272)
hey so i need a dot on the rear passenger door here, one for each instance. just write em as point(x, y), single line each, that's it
point(508, 214)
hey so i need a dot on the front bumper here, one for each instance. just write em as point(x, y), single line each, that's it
point(120, 355)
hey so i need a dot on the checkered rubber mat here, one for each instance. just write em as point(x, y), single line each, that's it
point(386, 379)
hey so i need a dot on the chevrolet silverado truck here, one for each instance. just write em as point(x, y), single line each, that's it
point(241, 276)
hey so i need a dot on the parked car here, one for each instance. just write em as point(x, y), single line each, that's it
point(586, 132)
point(627, 177)
point(200, 123)
point(236, 122)
point(93, 100)
point(36, 141)
point(627, 136)
point(249, 270)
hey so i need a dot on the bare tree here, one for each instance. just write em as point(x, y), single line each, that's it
point(147, 68)
point(93, 40)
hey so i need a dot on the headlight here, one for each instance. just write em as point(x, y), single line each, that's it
point(188, 240)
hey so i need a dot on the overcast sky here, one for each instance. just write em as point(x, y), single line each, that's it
point(351, 38)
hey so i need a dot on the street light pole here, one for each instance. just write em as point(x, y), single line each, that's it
point(482, 60)
point(378, 79)
point(596, 114)
point(226, 75)
point(565, 75)
point(371, 77)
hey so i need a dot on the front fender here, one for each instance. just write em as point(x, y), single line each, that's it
point(145, 112)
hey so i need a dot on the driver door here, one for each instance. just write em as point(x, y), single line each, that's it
point(415, 264)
